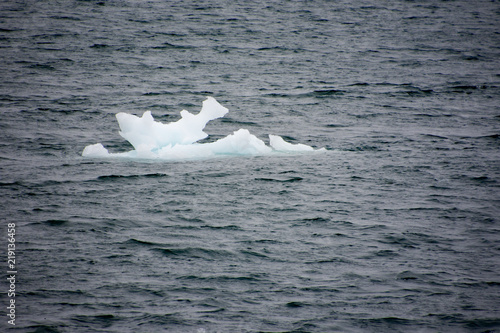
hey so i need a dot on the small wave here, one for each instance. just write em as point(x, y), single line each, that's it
point(435, 136)
point(99, 46)
point(47, 328)
point(161, 319)
point(321, 289)
point(380, 253)
point(42, 66)
point(388, 320)
point(166, 46)
point(286, 180)
point(329, 92)
point(134, 241)
point(335, 125)
point(296, 304)
point(150, 175)
point(359, 84)
point(103, 320)
point(402, 241)
point(363, 148)
point(254, 254)
point(334, 260)
point(222, 278)
point(194, 252)
point(56, 222)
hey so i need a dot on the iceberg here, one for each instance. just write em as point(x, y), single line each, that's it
point(178, 140)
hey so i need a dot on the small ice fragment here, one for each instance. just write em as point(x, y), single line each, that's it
point(96, 150)
point(279, 144)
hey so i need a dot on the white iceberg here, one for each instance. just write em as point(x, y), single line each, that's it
point(178, 140)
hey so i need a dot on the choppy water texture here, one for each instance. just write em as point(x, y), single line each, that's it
point(395, 228)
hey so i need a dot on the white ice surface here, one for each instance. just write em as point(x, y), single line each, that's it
point(279, 144)
point(177, 140)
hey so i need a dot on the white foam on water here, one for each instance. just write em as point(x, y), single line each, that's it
point(178, 140)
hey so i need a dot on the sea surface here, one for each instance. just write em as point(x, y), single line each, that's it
point(395, 228)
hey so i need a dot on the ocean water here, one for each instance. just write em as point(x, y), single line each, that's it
point(395, 228)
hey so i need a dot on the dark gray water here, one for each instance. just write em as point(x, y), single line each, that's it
point(394, 229)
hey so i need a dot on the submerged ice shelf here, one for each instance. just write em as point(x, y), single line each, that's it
point(178, 140)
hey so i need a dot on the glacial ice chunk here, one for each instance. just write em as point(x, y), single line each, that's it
point(178, 140)
point(146, 134)
point(240, 142)
point(279, 144)
point(96, 150)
